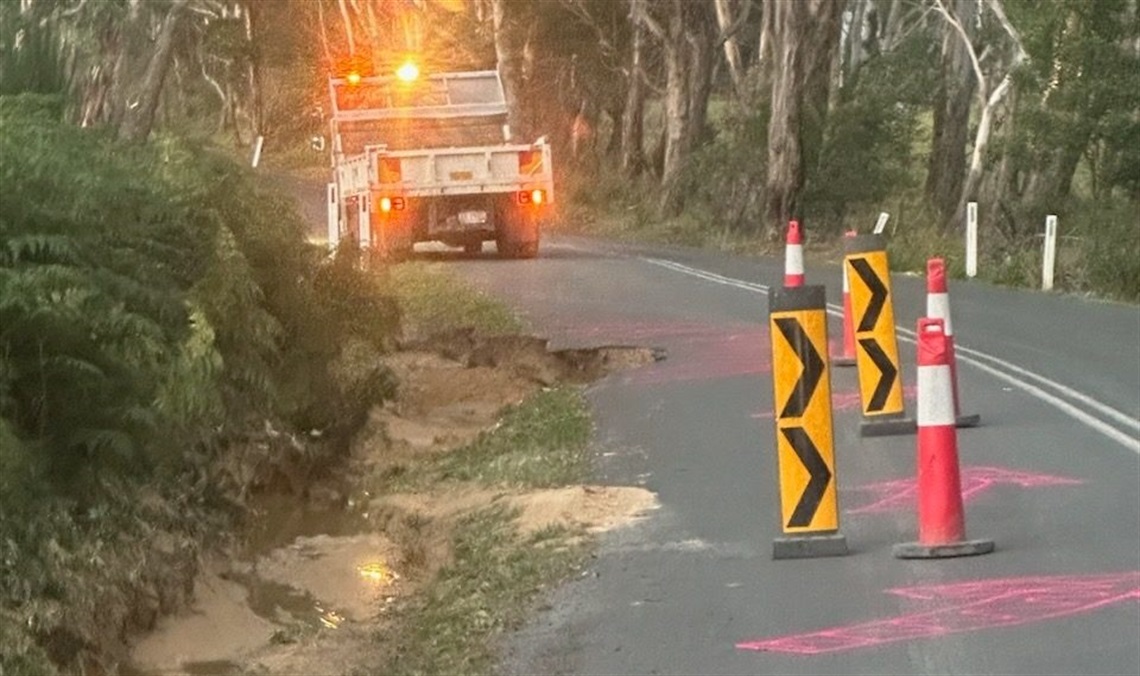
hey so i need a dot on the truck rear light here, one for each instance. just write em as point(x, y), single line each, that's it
point(535, 197)
point(392, 204)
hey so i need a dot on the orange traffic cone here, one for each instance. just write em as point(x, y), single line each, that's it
point(938, 307)
point(847, 357)
point(794, 256)
point(941, 522)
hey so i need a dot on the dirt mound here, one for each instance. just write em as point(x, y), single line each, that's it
point(595, 509)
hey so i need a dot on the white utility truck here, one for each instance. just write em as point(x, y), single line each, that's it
point(419, 159)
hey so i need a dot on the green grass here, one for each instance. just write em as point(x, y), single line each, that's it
point(485, 592)
point(433, 299)
point(495, 574)
point(540, 443)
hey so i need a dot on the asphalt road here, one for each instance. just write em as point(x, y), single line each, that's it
point(1052, 476)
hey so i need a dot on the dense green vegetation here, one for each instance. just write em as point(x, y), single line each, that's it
point(166, 338)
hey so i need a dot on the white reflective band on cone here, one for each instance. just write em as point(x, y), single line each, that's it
point(938, 307)
point(935, 396)
point(847, 284)
point(794, 259)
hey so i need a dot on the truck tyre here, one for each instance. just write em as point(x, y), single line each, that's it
point(517, 236)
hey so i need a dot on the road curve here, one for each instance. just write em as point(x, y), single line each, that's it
point(1052, 476)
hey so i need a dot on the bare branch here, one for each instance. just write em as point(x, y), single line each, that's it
point(347, 27)
point(68, 13)
point(579, 10)
point(639, 15)
point(999, 11)
point(957, 25)
point(728, 32)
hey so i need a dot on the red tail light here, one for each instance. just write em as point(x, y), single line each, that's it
point(392, 204)
point(536, 197)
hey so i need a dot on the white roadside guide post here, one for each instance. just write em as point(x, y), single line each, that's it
point(881, 224)
point(1050, 258)
point(257, 151)
point(971, 239)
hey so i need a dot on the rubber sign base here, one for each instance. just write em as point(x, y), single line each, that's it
point(886, 426)
point(915, 550)
point(809, 546)
point(971, 420)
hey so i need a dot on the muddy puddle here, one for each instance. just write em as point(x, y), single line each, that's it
point(310, 588)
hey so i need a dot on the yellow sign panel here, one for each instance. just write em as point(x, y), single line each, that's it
point(802, 401)
point(873, 317)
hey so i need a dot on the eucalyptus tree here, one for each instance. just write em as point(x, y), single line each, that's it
point(802, 37)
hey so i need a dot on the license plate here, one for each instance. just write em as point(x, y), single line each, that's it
point(472, 217)
point(461, 175)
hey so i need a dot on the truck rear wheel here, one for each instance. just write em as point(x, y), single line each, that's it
point(517, 235)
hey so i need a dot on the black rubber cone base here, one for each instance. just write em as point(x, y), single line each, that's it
point(914, 550)
point(971, 420)
point(809, 546)
point(887, 427)
point(843, 361)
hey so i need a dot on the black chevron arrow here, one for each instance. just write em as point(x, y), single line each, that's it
point(886, 380)
point(878, 294)
point(813, 367)
point(820, 476)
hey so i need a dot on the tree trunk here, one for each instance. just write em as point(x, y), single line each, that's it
point(139, 118)
point(762, 80)
point(946, 167)
point(253, 72)
point(725, 19)
point(689, 59)
point(855, 52)
point(632, 153)
point(804, 35)
point(990, 104)
point(701, 57)
point(892, 29)
point(676, 108)
point(508, 55)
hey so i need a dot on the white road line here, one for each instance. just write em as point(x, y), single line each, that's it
point(974, 358)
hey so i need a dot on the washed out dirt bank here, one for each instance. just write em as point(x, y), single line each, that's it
point(312, 588)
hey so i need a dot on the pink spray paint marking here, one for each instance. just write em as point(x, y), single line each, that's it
point(968, 606)
point(844, 401)
point(903, 493)
point(712, 356)
point(694, 351)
